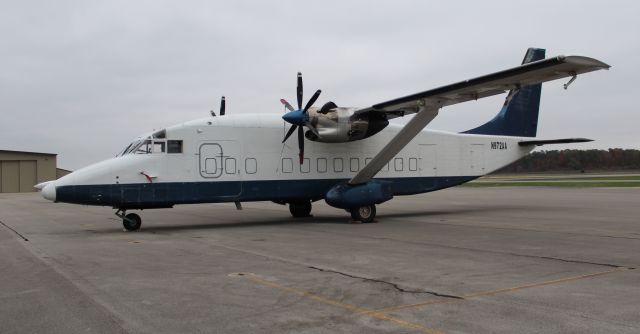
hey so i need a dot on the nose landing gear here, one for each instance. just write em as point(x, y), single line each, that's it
point(300, 209)
point(130, 222)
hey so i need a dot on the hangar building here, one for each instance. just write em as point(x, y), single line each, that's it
point(20, 171)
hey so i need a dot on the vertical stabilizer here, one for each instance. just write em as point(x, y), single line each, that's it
point(519, 114)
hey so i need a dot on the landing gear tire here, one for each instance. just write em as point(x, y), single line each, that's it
point(365, 214)
point(300, 209)
point(132, 222)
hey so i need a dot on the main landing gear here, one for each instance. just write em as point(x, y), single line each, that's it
point(130, 222)
point(364, 214)
point(300, 209)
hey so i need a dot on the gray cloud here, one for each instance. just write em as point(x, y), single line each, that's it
point(83, 78)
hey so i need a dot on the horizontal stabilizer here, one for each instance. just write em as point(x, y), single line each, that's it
point(553, 141)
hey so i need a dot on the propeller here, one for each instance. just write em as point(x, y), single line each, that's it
point(222, 108)
point(300, 117)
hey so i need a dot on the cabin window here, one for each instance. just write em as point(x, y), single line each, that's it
point(338, 165)
point(287, 165)
point(397, 164)
point(174, 146)
point(230, 165)
point(305, 167)
point(354, 164)
point(413, 164)
point(322, 165)
point(250, 165)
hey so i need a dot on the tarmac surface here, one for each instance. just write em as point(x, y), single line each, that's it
point(462, 260)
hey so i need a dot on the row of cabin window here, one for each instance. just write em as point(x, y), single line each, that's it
point(250, 166)
point(338, 165)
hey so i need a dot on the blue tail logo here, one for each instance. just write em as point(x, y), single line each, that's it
point(519, 114)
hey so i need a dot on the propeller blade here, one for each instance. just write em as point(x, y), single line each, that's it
point(312, 100)
point(222, 106)
point(301, 143)
point(299, 90)
point(286, 104)
point(293, 128)
point(315, 132)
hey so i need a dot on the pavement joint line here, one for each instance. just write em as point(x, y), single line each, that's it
point(485, 250)
point(349, 307)
point(14, 231)
point(499, 291)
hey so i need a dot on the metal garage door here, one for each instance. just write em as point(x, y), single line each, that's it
point(17, 176)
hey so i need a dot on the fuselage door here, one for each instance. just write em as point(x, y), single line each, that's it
point(477, 152)
point(218, 163)
point(429, 158)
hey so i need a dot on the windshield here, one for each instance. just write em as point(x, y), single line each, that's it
point(145, 146)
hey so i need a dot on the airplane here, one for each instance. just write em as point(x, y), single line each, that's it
point(353, 158)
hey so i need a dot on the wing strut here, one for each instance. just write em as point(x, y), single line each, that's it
point(424, 116)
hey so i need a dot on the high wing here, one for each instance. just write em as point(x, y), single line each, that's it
point(426, 104)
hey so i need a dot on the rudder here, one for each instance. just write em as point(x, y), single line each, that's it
point(519, 114)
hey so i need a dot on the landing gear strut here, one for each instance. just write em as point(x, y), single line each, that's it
point(300, 209)
point(365, 214)
point(131, 222)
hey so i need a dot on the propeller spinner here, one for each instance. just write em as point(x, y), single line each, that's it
point(300, 117)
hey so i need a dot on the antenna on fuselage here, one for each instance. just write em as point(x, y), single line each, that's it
point(222, 108)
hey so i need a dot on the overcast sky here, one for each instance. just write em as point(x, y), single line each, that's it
point(83, 78)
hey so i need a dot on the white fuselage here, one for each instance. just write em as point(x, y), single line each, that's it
point(237, 150)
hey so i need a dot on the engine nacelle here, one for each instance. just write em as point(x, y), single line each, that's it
point(346, 196)
point(338, 125)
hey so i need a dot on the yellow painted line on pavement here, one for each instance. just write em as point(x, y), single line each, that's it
point(349, 307)
point(534, 285)
point(495, 292)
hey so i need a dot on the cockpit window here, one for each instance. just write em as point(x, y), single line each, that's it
point(158, 146)
point(143, 148)
point(152, 144)
point(174, 146)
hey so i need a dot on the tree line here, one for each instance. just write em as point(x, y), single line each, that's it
point(576, 160)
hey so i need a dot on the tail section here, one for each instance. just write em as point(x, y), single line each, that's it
point(519, 115)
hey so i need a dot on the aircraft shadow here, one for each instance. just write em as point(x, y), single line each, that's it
point(344, 220)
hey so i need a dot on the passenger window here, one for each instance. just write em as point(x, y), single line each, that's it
point(210, 166)
point(305, 167)
point(322, 165)
point(158, 146)
point(287, 165)
point(413, 164)
point(354, 164)
point(250, 165)
point(230, 165)
point(397, 164)
point(338, 165)
point(174, 146)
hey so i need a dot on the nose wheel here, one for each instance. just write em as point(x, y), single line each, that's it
point(364, 214)
point(131, 221)
point(300, 209)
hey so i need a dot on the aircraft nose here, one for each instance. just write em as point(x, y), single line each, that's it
point(49, 191)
